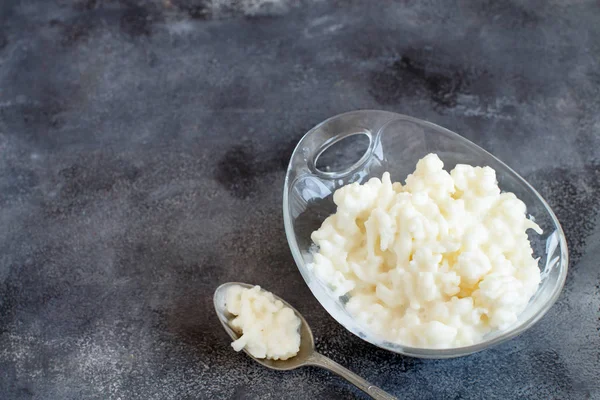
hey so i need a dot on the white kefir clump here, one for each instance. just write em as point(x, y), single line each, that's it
point(436, 263)
point(269, 329)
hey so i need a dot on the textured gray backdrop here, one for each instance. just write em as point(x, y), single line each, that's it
point(142, 156)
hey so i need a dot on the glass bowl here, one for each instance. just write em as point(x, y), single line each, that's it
point(393, 142)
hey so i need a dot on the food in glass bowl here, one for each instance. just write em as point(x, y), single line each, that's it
point(327, 159)
point(438, 262)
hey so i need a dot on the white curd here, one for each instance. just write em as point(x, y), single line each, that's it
point(269, 329)
point(436, 263)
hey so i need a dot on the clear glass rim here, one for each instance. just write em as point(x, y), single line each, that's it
point(417, 351)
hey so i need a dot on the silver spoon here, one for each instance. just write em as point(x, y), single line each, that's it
point(307, 354)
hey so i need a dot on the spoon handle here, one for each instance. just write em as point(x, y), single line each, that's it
point(320, 360)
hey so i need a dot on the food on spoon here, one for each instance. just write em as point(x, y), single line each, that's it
point(268, 328)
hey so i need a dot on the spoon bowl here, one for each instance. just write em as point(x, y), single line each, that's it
point(307, 341)
point(306, 355)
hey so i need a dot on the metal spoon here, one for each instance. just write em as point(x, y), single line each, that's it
point(307, 354)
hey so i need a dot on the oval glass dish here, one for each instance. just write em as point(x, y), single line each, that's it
point(395, 143)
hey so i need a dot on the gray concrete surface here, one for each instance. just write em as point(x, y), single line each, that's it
point(142, 156)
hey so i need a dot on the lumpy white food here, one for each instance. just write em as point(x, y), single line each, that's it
point(436, 263)
point(269, 328)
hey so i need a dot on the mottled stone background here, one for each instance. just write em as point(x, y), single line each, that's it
point(142, 156)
